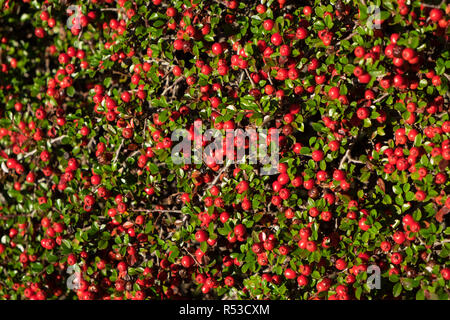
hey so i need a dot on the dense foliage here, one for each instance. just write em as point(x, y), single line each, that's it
point(90, 92)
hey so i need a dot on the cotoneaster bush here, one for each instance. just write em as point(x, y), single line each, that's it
point(90, 92)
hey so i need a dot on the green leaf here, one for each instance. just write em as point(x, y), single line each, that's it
point(204, 246)
point(153, 168)
point(102, 244)
point(420, 295)
point(107, 82)
point(317, 126)
point(397, 290)
point(70, 91)
point(358, 292)
point(329, 21)
point(305, 150)
point(397, 189)
point(409, 196)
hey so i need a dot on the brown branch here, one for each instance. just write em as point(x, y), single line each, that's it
point(380, 98)
point(11, 216)
point(441, 243)
point(51, 142)
point(250, 78)
point(117, 152)
point(351, 35)
point(220, 173)
point(432, 5)
point(172, 86)
point(156, 211)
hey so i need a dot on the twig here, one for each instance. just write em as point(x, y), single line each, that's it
point(351, 35)
point(57, 139)
point(269, 77)
point(348, 158)
point(117, 152)
point(355, 161)
point(268, 119)
point(134, 153)
point(195, 260)
point(91, 141)
point(51, 142)
point(220, 173)
point(441, 115)
point(241, 78)
point(10, 216)
point(441, 243)
point(145, 127)
point(119, 73)
point(380, 98)
point(26, 155)
point(172, 86)
point(250, 78)
point(156, 211)
point(432, 5)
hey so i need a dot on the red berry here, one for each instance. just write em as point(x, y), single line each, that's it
point(268, 24)
point(187, 261)
point(333, 93)
point(445, 272)
point(217, 48)
point(201, 236)
point(290, 274)
point(396, 258)
point(362, 113)
point(317, 155)
point(359, 51)
point(240, 230)
point(276, 39)
point(302, 280)
point(436, 14)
